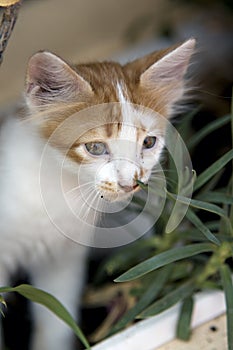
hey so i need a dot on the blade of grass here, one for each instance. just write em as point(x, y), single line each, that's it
point(184, 323)
point(200, 135)
point(2, 301)
point(126, 257)
point(51, 303)
point(213, 169)
point(198, 223)
point(200, 205)
point(228, 289)
point(185, 128)
point(180, 293)
point(142, 185)
point(151, 293)
point(216, 197)
point(163, 259)
point(211, 184)
point(231, 210)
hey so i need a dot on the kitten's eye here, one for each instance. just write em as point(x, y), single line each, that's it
point(149, 142)
point(96, 148)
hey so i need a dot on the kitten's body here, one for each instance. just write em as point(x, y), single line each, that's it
point(30, 236)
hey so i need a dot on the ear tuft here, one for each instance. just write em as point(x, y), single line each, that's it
point(49, 80)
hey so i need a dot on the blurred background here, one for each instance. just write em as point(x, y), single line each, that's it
point(87, 30)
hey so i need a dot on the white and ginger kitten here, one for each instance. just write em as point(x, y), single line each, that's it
point(99, 164)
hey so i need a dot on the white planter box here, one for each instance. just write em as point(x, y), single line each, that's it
point(156, 331)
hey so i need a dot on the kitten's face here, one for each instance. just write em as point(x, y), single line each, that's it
point(118, 154)
point(126, 141)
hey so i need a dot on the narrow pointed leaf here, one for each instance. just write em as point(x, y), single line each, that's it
point(2, 301)
point(228, 289)
point(169, 300)
point(125, 257)
point(213, 169)
point(215, 125)
point(51, 303)
point(184, 323)
point(200, 205)
point(198, 223)
point(216, 197)
point(231, 211)
point(151, 293)
point(163, 259)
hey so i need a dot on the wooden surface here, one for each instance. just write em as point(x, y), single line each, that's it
point(209, 336)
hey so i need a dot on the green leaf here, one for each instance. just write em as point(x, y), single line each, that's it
point(163, 259)
point(151, 293)
point(180, 293)
point(232, 118)
point(125, 257)
point(231, 210)
point(211, 184)
point(2, 301)
point(200, 205)
point(185, 127)
point(198, 223)
point(216, 197)
point(180, 208)
point(228, 289)
point(142, 185)
point(184, 323)
point(51, 303)
point(215, 125)
point(213, 169)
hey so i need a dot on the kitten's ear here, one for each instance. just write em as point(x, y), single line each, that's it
point(167, 74)
point(49, 80)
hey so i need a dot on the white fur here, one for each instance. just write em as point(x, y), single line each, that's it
point(41, 200)
point(134, 118)
point(29, 239)
point(35, 209)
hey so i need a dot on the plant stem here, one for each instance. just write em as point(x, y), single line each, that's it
point(220, 255)
point(9, 18)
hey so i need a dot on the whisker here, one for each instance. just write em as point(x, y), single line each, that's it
point(75, 197)
point(80, 195)
point(85, 204)
point(91, 207)
point(103, 215)
point(78, 187)
point(97, 206)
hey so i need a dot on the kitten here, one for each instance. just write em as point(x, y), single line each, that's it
point(84, 142)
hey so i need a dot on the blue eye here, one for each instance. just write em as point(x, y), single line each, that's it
point(149, 142)
point(96, 148)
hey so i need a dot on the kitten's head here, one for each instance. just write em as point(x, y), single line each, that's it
point(108, 118)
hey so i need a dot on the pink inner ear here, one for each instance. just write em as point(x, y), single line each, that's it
point(50, 79)
point(170, 68)
point(30, 87)
point(168, 71)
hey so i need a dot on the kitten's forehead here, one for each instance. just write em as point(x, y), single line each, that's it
point(122, 119)
point(142, 119)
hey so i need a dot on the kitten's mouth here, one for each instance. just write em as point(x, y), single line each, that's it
point(118, 194)
point(128, 189)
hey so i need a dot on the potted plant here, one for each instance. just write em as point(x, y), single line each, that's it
point(171, 274)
